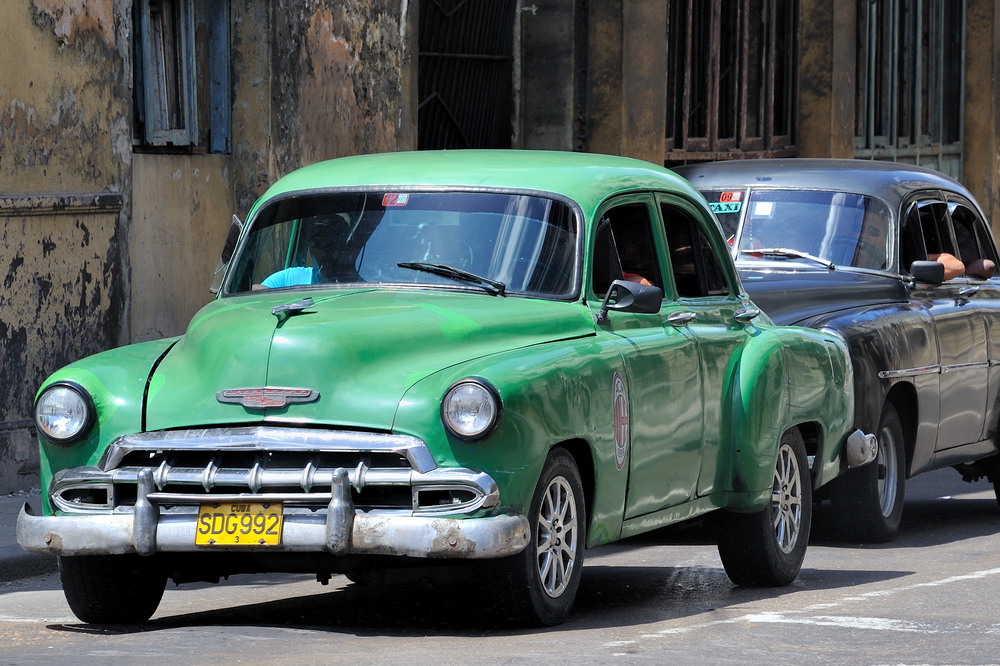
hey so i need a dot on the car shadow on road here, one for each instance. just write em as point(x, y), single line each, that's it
point(610, 596)
point(614, 592)
point(926, 523)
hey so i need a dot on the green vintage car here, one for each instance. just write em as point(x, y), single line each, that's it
point(501, 358)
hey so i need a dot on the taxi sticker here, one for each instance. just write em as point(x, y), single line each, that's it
point(719, 207)
point(620, 420)
point(730, 201)
point(394, 199)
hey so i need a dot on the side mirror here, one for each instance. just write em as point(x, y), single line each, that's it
point(628, 296)
point(228, 248)
point(930, 272)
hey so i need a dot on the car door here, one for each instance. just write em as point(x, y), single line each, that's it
point(707, 303)
point(978, 252)
point(960, 330)
point(661, 382)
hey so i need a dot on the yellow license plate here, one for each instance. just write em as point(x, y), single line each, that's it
point(238, 524)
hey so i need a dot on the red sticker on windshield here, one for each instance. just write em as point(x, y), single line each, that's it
point(394, 199)
point(730, 196)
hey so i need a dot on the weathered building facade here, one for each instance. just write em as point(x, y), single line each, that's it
point(122, 158)
point(131, 130)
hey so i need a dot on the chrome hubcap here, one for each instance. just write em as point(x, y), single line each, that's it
point(786, 500)
point(557, 543)
point(887, 476)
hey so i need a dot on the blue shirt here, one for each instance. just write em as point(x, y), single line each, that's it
point(292, 277)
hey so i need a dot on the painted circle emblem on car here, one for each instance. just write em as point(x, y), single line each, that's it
point(620, 416)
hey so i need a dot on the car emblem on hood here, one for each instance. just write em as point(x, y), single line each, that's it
point(266, 397)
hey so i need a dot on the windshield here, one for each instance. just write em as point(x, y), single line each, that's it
point(839, 228)
point(499, 243)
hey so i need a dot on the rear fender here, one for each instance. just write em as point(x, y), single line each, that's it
point(785, 377)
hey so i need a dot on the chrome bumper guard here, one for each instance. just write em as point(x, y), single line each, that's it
point(860, 449)
point(340, 531)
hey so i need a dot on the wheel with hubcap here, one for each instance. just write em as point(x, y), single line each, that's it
point(868, 501)
point(111, 589)
point(539, 584)
point(766, 549)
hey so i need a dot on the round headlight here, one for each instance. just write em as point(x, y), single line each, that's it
point(63, 413)
point(470, 409)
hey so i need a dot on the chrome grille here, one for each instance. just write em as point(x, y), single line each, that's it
point(293, 465)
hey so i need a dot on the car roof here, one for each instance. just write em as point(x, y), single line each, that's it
point(890, 181)
point(586, 178)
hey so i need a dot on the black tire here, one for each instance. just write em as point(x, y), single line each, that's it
point(538, 585)
point(111, 589)
point(868, 501)
point(766, 549)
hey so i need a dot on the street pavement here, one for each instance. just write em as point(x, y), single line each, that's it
point(16, 563)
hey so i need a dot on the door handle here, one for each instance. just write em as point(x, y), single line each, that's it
point(746, 315)
point(682, 318)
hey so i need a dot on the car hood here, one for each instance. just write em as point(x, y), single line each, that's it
point(791, 296)
point(361, 350)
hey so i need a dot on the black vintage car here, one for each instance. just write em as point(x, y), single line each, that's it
point(899, 261)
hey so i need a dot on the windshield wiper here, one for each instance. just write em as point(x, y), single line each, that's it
point(492, 287)
point(788, 253)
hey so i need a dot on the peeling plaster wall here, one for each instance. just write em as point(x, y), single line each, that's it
point(102, 246)
point(343, 73)
point(64, 157)
point(311, 81)
point(251, 46)
point(182, 206)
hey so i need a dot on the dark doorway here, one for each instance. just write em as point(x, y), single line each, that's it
point(466, 73)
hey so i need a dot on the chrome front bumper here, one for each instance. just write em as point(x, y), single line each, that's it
point(339, 530)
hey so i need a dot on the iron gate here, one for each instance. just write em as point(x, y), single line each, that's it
point(465, 73)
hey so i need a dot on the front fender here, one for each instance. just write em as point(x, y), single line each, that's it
point(116, 381)
point(558, 394)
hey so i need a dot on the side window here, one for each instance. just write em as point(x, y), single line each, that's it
point(624, 248)
point(696, 268)
point(911, 240)
point(934, 225)
point(932, 228)
point(974, 246)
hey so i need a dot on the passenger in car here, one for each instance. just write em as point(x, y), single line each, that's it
point(327, 238)
point(953, 267)
point(982, 268)
point(975, 265)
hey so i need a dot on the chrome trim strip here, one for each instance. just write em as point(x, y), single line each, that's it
point(910, 372)
point(956, 367)
point(935, 369)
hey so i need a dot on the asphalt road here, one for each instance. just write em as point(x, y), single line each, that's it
point(931, 597)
